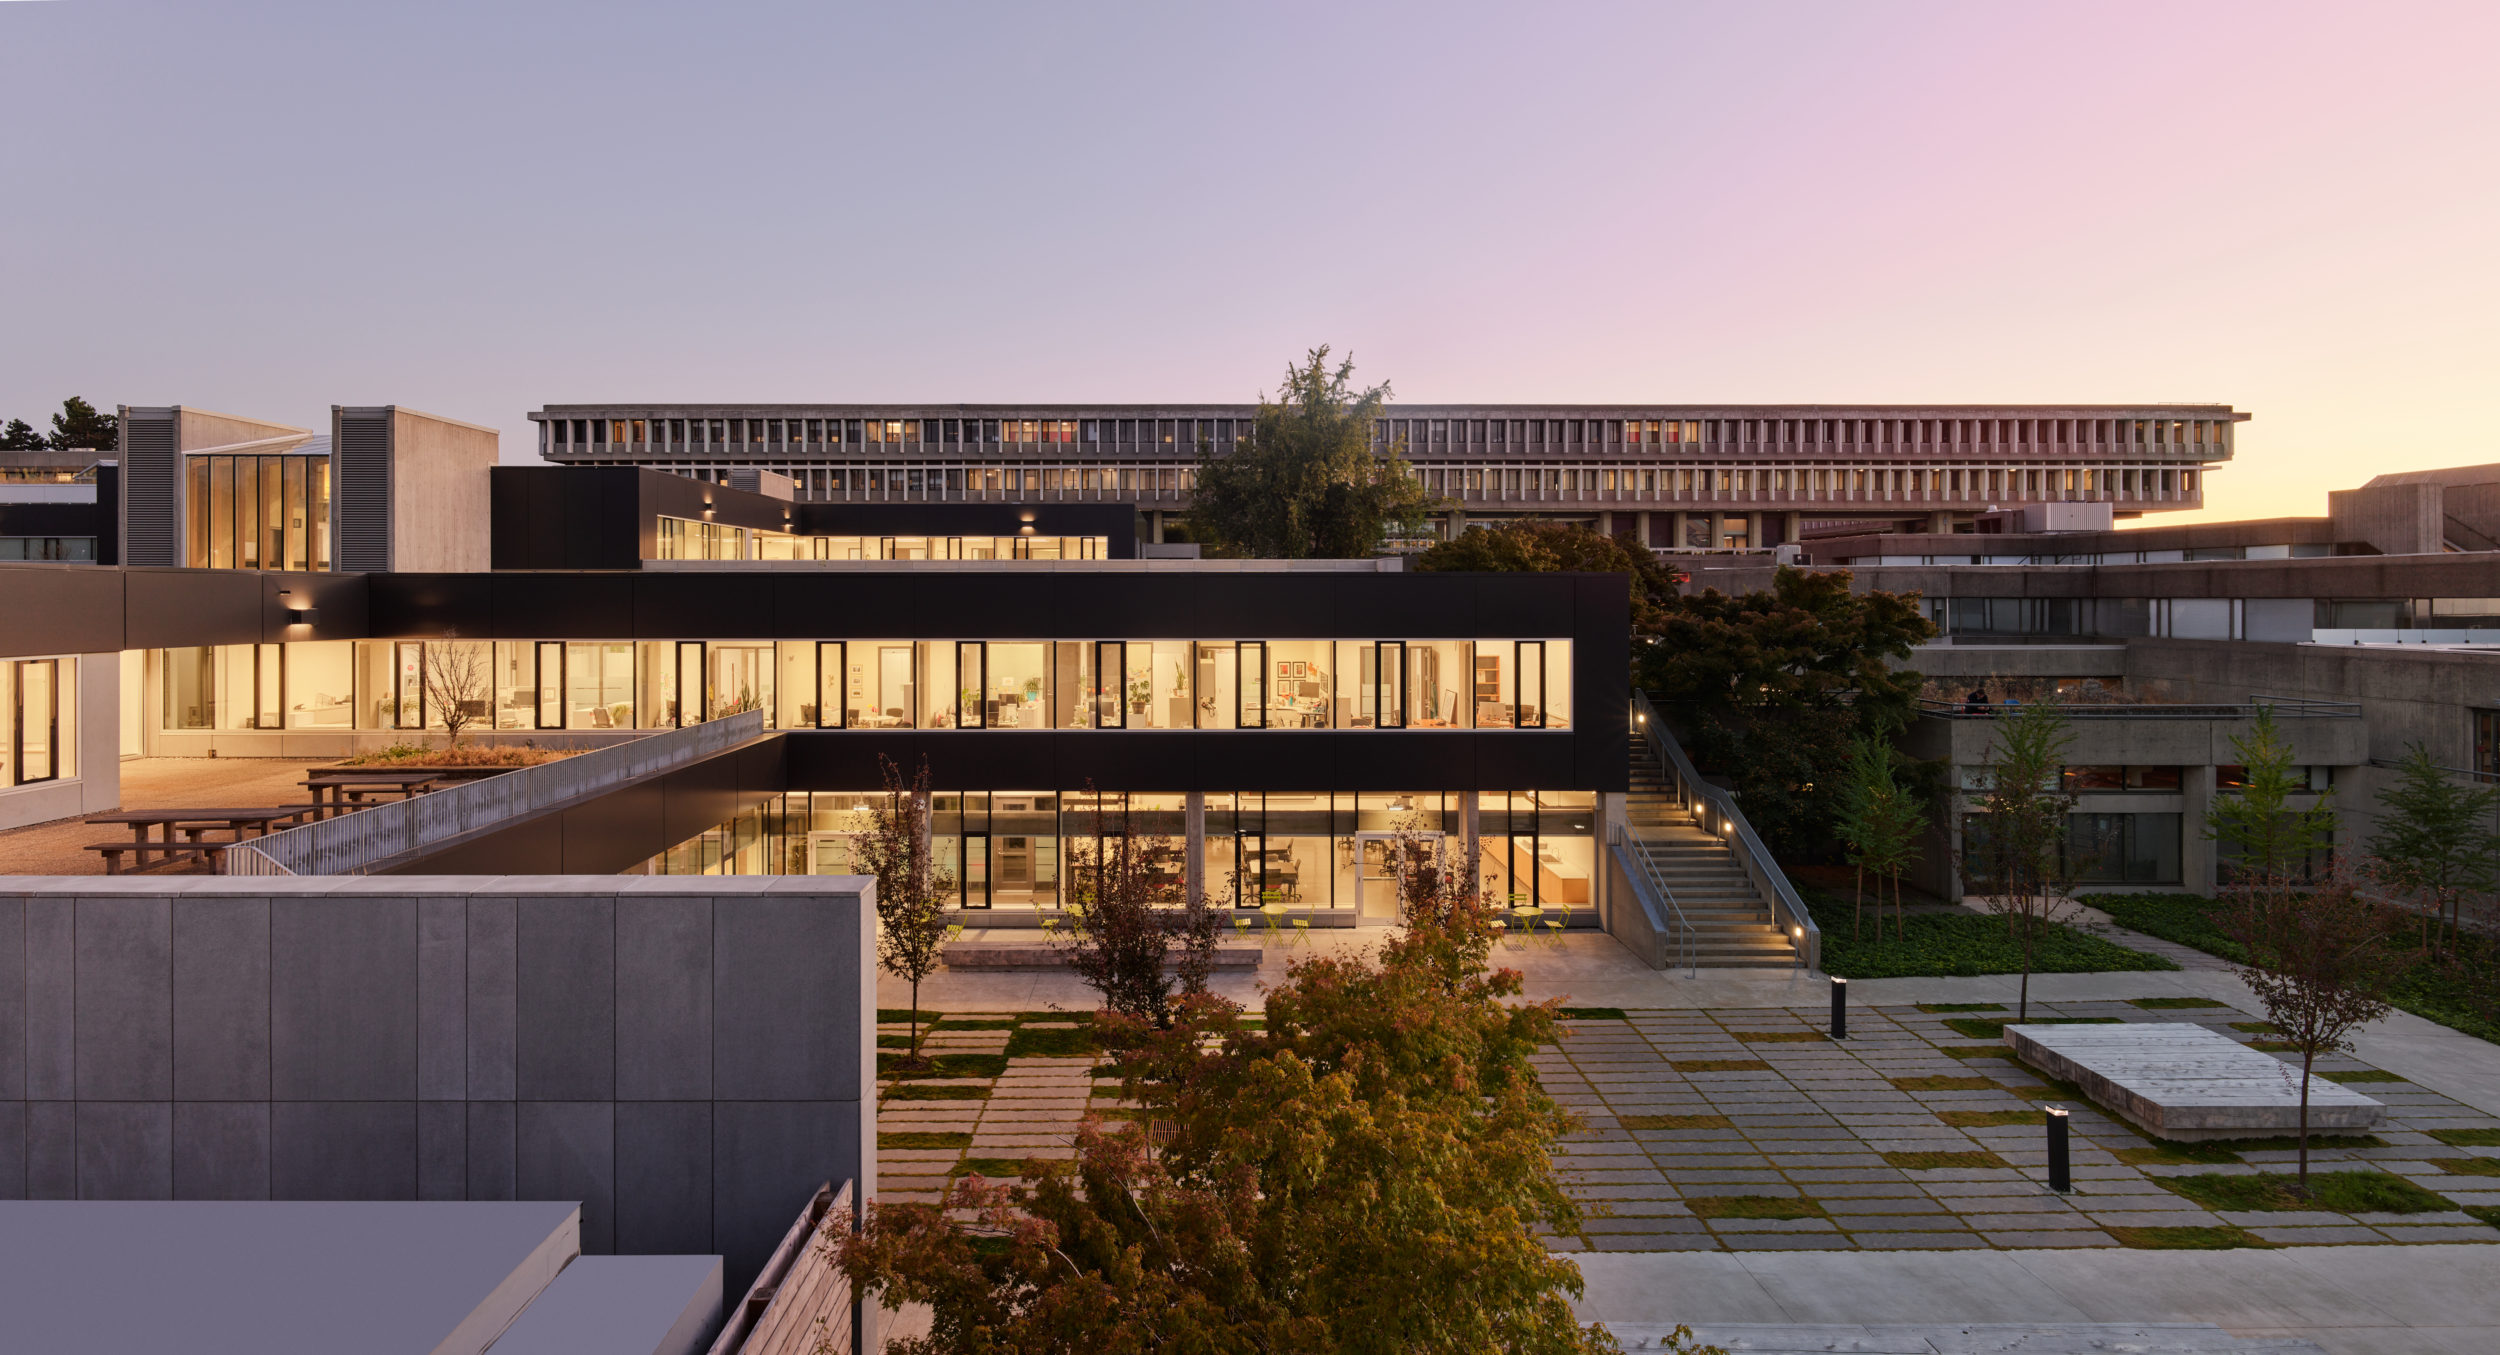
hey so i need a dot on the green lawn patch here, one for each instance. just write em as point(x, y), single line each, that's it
point(1980, 1028)
point(2488, 1213)
point(1028, 1043)
point(2351, 1075)
point(2274, 1046)
point(2286, 1143)
point(900, 1015)
point(2468, 1138)
point(1007, 1023)
point(2344, 1192)
point(1053, 1016)
point(1781, 1036)
point(2257, 1027)
point(1719, 1065)
point(1753, 1207)
point(2468, 1166)
point(1991, 1119)
point(1961, 943)
point(2457, 995)
point(922, 1139)
point(1938, 1083)
point(1675, 1122)
point(2178, 1155)
point(943, 1065)
point(912, 1091)
point(2215, 1238)
point(2174, 1004)
point(1591, 1013)
point(1921, 1162)
point(1932, 1008)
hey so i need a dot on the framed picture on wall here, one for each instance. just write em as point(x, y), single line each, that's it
point(1301, 668)
point(1284, 668)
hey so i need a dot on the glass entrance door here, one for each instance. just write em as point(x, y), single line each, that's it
point(1380, 863)
point(833, 853)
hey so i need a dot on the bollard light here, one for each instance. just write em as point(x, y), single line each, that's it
point(2061, 1170)
point(1840, 1009)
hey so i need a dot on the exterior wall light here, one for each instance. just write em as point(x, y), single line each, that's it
point(299, 607)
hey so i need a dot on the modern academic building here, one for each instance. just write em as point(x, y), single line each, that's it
point(1271, 725)
point(1683, 477)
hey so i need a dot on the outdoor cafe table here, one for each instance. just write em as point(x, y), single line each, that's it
point(337, 790)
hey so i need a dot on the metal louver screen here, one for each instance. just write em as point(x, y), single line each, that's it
point(363, 458)
point(151, 492)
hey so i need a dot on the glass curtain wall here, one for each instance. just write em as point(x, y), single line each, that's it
point(258, 512)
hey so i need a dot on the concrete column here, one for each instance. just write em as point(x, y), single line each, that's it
point(1158, 526)
point(1640, 527)
point(1677, 522)
point(1792, 526)
point(1940, 523)
point(1753, 531)
point(1194, 854)
point(2198, 867)
point(1605, 522)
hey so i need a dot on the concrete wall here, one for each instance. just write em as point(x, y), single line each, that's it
point(442, 505)
point(97, 788)
point(684, 1057)
point(2398, 519)
point(198, 429)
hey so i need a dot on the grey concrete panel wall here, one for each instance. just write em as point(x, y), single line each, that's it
point(686, 1058)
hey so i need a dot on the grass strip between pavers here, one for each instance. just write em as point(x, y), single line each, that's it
point(1591, 1013)
point(917, 1138)
point(2351, 1075)
point(1028, 1043)
point(2468, 1138)
point(2178, 1155)
point(2488, 1213)
point(1781, 1036)
point(942, 1065)
point(2215, 1237)
point(1753, 1207)
point(2174, 1004)
point(1936, 1082)
point(1991, 1119)
point(2257, 1027)
point(993, 1166)
point(912, 1091)
point(1933, 1008)
point(903, 1015)
point(2468, 1166)
point(1675, 1122)
point(1932, 1161)
point(1980, 1028)
point(1719, 1065)
point(1976, 1051)
point(2343, 1192)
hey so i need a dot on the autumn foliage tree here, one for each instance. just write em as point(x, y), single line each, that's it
point(1531, 547)
point(1136, 931)
point(2020, 857)
point(1366, 1172)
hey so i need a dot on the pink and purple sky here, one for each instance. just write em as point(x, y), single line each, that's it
point(477, 208)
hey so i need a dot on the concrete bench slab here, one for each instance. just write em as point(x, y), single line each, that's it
point(1012, 955)
point(2184, 1082)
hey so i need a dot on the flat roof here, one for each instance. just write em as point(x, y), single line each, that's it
point(621, 1305)
point(258, 1277)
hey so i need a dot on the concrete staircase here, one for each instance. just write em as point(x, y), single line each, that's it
point(1733, 927)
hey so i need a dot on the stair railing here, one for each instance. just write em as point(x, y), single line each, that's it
point(1714, 808)
point(1656, 897)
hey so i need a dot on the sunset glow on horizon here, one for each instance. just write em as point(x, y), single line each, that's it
point(476, 209)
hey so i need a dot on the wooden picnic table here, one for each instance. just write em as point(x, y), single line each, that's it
point(152, 831)
point(340, 789)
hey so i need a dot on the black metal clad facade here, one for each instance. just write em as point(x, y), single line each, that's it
point(361, 492)
point(151, 469)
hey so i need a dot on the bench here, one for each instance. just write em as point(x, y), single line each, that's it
point(2183, 1082)
point(170, 852)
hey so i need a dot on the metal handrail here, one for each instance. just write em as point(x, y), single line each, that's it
point(1674, 924)
point(2292, 708)
point(1742, 842)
